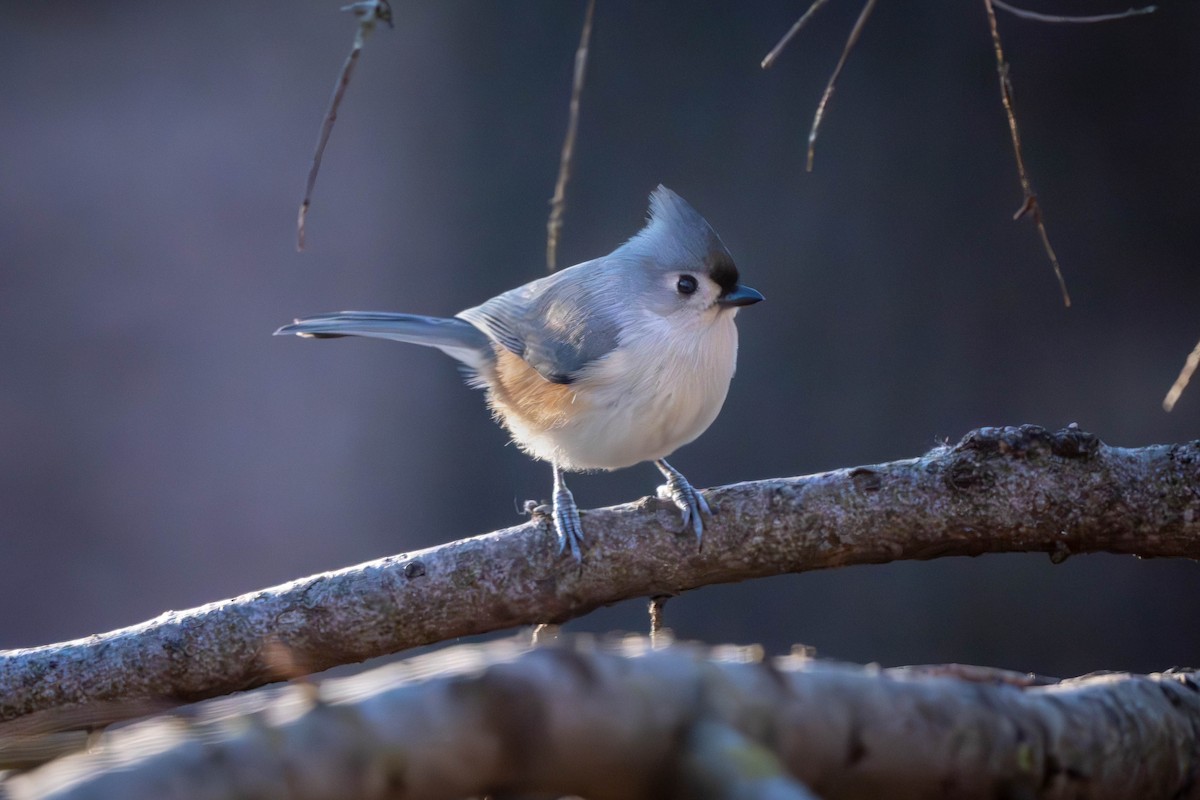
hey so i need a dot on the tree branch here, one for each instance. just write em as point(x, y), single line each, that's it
point(633, 721)
point(998, 490)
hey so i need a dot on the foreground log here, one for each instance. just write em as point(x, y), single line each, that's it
point(631, 721)
point(998, 490)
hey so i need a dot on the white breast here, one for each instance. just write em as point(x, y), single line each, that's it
point(660, 389)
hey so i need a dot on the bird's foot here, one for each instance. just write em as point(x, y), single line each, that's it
point(566, 521)
point(690, 502)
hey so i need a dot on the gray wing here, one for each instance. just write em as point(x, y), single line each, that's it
point(558, 324)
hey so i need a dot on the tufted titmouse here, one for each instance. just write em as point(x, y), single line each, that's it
point(602, 365)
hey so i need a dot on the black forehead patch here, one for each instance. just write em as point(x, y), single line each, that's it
point(723, 271)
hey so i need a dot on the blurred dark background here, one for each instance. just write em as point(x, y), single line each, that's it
point(159, 449)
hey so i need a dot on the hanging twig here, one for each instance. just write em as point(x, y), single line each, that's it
point(850, 42)
point(558, 203)
point(1181, 382)
point(1030, 205)
point(787, 37)
point(1039, 17)
point(368, 12)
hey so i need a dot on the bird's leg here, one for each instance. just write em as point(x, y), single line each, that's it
point(681, 493)
point(566, 517)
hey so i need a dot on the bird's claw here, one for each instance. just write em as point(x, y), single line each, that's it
point(566, 522)
point(691, 504)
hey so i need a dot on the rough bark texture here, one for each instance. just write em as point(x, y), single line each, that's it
point(631, 721)
point(998, 490)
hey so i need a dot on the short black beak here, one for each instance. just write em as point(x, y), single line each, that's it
point(739, 295)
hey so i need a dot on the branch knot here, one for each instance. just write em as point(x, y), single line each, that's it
point(1031, 441)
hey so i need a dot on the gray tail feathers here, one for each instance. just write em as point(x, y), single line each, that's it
point(454, 337)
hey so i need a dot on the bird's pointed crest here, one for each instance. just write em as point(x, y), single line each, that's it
point(680, 235)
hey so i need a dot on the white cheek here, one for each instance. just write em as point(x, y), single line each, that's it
point(706, 293)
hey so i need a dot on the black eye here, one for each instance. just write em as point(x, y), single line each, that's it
point(687, 284)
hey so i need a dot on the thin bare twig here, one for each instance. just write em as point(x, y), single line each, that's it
point(850, 42)
point(658, 604)
point(558, 203)
point(1039, 17)
point(787, 37)
point(544, 632)
point(1030, 206)
point(368, 12)
point(1181, 382)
